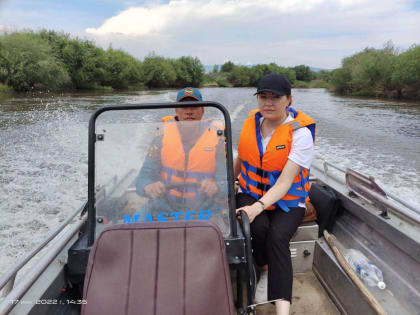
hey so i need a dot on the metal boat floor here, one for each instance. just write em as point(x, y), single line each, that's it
point(309, 297)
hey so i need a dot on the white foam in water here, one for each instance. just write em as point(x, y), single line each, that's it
point(236, 111)
point(402, 182)
point(40, 185)
point(43, 173)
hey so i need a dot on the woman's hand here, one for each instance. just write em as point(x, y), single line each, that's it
point(252, 211)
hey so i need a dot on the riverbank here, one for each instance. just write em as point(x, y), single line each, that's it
point(5, 89)
point(385, 73)
point(404, 93)
point(315, 84)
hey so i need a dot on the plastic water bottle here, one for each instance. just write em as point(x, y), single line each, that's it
point(365, 269)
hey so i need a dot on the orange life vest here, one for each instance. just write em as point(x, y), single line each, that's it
point(260, 171)
point(168, 118)
point(194, 166)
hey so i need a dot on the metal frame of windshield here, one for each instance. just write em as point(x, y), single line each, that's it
point(91, 157)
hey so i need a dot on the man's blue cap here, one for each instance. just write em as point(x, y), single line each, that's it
point(189, 92)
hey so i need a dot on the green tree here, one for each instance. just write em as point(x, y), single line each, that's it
point(324, 75)
point(257, 72)
point(368, 72)
point(303, 73)
point(122, 70)
point(371, 70)
point(85, 63)
point(227, 67)
point(158, 72)
point(341, 80)
point(28, 61)
point(407, 67)
point(287, 72)
point(240, 76)
point(189, 71)
point(57, 41)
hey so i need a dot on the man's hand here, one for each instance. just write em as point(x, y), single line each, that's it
point(155, 190)
point(208, 187)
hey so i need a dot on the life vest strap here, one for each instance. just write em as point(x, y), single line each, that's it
point(294, 191)
point(180, 200)
point(254, 183)
point(258, 171)
point(187, 193)
point(184, 174)
point(285, 205)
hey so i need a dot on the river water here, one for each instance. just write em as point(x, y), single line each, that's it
point(43, 149)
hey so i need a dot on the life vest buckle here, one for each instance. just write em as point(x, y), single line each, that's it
point(263, 187)
point(261, 172)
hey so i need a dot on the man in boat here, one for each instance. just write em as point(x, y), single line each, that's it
point(189, 150)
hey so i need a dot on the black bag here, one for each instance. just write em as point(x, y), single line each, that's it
point(326, 204)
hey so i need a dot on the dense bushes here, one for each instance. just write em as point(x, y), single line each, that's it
point(240, 76)
point(26, 60)
point(54, 61)
point(406, 74)
point(380, 72)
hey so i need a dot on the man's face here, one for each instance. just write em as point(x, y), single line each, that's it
point(189, 113)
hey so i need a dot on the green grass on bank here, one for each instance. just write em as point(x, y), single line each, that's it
point(5, 88)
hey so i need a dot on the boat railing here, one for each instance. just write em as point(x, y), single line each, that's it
point(397, 205)
point(7, 281)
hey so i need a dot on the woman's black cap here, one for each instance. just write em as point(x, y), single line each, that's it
point(275, 83)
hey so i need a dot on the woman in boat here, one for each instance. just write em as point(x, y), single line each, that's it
point(275, 151)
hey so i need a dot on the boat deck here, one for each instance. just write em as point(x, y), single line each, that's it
point(309, 297)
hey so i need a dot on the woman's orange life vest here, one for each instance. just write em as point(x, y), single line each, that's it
point(260, 171)
point(194, 166)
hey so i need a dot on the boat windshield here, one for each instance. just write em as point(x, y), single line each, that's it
point(150, 166)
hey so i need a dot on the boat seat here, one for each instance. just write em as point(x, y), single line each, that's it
point(158, 268)
point(307, 231)
point(302, 247)
point(302, 244)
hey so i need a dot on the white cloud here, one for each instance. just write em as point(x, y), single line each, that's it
point(149, 20)
point(289, 32)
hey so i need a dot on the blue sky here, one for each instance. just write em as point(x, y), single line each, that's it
point(318, 33)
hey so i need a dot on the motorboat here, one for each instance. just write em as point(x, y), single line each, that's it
point(54, 277)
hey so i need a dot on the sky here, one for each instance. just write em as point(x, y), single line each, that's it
point(318, 33)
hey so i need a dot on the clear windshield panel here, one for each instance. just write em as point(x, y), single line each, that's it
point(151, 167)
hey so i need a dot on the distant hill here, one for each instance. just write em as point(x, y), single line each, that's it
point(209, 68)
